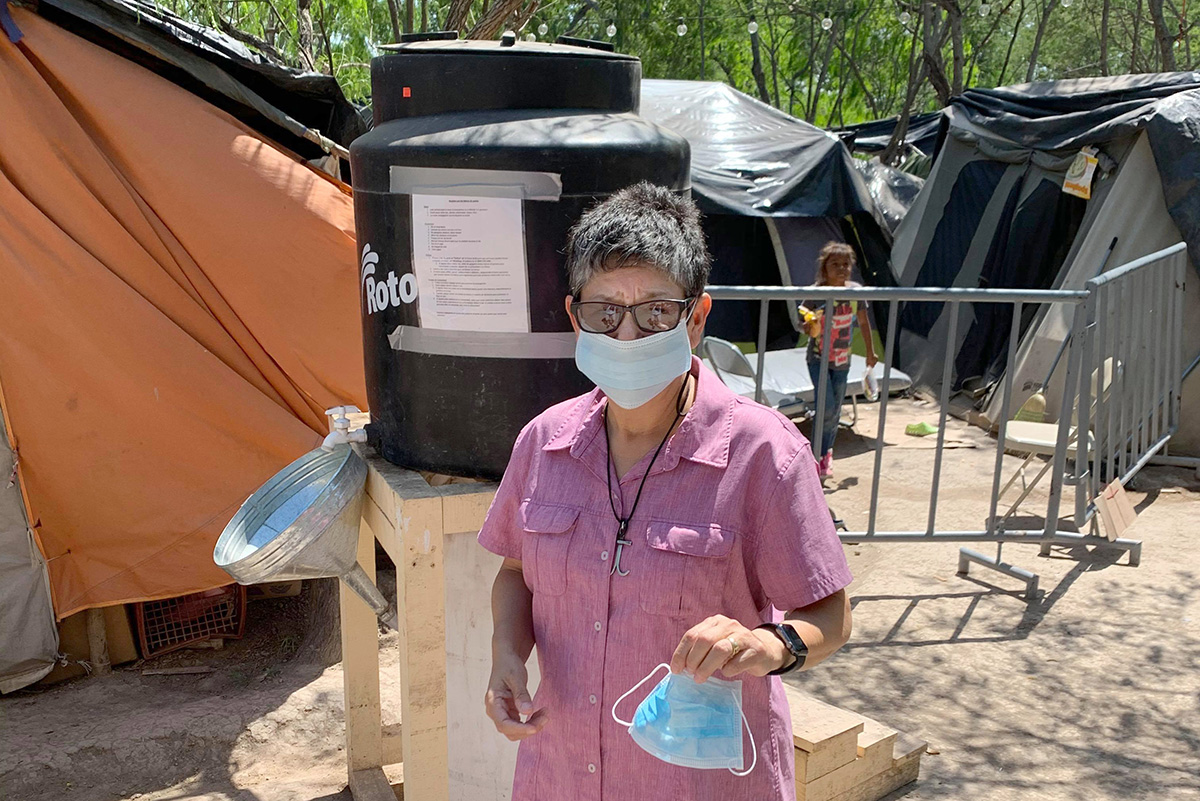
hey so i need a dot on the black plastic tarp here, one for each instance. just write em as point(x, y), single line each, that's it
point(873, 136)
point(1068, 115)
point(277, 101)
point(894, 191)
point(749, 161)
point(752, 159)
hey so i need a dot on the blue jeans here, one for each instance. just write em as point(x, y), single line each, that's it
point(835, 395)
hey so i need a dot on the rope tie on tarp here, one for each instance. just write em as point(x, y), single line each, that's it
point(9, 24)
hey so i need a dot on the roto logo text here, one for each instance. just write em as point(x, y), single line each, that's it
point(382, 294)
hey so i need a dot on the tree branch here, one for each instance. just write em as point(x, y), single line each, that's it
point(248, 38)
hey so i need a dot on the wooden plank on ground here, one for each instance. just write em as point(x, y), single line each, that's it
point(370, 784)
point(194, 670)
point(98, 642)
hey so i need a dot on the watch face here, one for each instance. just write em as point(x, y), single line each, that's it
point(795, 644)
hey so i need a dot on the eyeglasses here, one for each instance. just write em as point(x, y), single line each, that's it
point(651, 316)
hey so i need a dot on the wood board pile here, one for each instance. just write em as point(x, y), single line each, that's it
point(843, 756)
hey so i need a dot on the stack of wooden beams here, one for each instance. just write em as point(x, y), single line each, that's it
point(843, 756)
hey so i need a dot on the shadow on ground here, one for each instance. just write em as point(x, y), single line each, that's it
point(266, 725)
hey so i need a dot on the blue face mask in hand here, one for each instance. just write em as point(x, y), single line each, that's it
point(690, 724)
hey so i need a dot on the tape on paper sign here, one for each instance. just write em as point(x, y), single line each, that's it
point(519, 184)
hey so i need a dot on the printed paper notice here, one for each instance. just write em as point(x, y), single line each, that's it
point(469, 257)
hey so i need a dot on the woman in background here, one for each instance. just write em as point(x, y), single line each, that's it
point(834, 267)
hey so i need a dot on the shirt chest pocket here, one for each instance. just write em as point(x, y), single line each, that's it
point(686, 568)
point(548, 534)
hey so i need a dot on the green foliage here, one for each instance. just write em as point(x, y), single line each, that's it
point(858, 69)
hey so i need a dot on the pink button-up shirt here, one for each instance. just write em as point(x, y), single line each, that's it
point(732, 521)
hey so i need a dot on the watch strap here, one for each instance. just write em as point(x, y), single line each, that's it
point(794, 644)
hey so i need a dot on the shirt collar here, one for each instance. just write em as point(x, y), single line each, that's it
point(702, 437)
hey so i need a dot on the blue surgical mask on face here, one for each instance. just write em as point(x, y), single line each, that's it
point(631, 372)
point(689, 724)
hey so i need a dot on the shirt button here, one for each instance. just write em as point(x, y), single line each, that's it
point(591, 768)
point(604, 556)
point(592, 698)
point(596, 625)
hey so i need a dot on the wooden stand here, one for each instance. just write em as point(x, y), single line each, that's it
point(443, 596)
point(449, 750)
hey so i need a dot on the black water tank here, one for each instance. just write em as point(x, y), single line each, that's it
point(482, 157)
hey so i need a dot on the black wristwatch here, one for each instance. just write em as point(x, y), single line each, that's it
point(792, 642)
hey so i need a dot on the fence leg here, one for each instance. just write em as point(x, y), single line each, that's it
point(966, 556)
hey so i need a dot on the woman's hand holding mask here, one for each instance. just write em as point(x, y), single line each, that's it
point(720, 643)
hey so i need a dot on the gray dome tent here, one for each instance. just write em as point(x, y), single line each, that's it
point(774, 190)
point(993, 214)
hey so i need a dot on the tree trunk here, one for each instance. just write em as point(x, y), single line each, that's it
point(325, 38)
point(724, 65)
point(756, 69)
point(954, 14)
point(867, 94)
point(304, 33)
point(579, 15)
point(1166, 42)
point(916, 76)
point(1037, 40)
point(1137, 25)
point(1011, 42)
point(931, 52)
point(816, 102)
point(522, 16)
point(456, 17)
point(1104, 37)
point(836, 111)
point(394, 13)
point(492, 22)
point(773, 55)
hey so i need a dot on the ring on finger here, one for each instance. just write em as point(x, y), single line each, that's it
point(734, 644)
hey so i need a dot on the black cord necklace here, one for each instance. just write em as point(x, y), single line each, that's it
point(610, 468)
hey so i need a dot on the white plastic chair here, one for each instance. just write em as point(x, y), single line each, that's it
point(736, 372)
point(1041, 439)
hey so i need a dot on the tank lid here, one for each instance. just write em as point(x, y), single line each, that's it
point(477, 47)
point(412, 79)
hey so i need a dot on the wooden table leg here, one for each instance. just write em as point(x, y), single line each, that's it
point(360, 670)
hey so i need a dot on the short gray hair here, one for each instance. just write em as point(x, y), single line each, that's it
point(642, 225)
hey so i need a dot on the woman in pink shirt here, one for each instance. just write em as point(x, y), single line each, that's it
point(658, 519)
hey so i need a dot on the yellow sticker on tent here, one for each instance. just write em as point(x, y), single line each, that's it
point(1078, 181)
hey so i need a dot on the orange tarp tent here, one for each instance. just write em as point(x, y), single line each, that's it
point(178, 304)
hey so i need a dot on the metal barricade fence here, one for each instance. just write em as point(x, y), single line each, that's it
point(1130, 317)
point(1129, 385)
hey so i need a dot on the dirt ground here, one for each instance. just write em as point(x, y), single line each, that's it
point(1090, 692)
